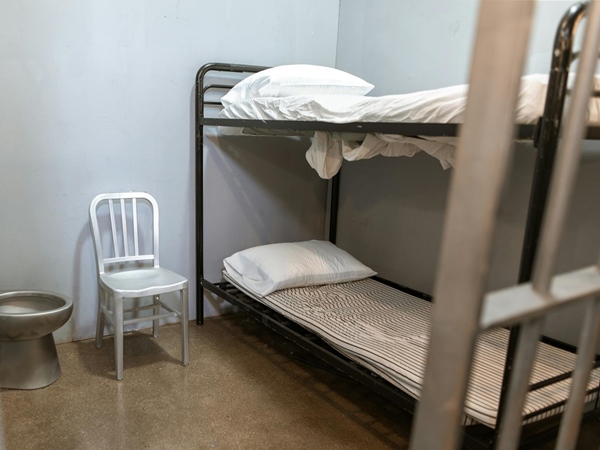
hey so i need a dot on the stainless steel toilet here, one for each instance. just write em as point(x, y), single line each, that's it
point(28, 358)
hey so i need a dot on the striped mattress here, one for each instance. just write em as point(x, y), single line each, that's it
point(386, 331)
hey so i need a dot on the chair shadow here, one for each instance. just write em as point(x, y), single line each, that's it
point(140, 349)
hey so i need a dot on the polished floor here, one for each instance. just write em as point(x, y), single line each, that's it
point(245, 388)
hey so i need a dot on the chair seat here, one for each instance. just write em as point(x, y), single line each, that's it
point(142, 282)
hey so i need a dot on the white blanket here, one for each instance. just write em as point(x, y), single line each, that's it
point(327, 151)
point(445, 105)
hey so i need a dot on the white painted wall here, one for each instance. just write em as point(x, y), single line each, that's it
point(392, 208)
point(96, 96)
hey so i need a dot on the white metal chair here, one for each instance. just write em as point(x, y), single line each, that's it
point(132, 271)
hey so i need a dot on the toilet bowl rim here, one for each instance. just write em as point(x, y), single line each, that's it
point(68, 303)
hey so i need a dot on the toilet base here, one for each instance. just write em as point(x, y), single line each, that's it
point(28, 364)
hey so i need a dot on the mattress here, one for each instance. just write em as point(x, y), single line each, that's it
point(386, 331)
point(445, 105)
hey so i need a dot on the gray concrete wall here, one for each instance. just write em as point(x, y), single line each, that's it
point(97, 97)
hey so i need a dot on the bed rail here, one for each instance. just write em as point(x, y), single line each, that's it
point(201, 88)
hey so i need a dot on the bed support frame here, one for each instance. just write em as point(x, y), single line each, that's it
point(546, 143)
point(502, 35)
point(545, 137)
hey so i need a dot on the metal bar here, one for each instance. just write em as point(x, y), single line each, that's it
point(139, 308)
point(152, 306)
point(199, 197)
point(136, 245)
point(571, 420)
point(546, 144)
point(597, 403)
point(550, 127)
point(111, 210)
point(569, 154)
point(217, 67)
point(510, 431)
point(334, 207)
point(118, 336)
point(149, 318)
point(559, 344)
point(507, 306)
point(407, 129)
point(124, 225)
point(128, 259)
point(215, 86)
point(483, 157)
point(554, 406)
point(155, 232)
point(108, 314)
point(169, 307)
point(199, 102)
point(556, 379)
point(511, 349)
point(296, 128)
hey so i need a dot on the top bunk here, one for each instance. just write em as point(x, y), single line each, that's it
point(346, 124)
point(306, 111)
point(302, 112)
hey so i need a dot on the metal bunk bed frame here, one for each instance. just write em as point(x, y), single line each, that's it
point(545, 137)
point(462, 303)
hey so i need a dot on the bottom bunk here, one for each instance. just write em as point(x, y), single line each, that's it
point(377, 334)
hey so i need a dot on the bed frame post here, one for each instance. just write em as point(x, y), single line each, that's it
point(200, 102)
point(199, 177)
point(334, 201)
point(485, 144)
point(546, 144)
point(549, 131)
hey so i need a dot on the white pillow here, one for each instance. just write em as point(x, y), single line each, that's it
point(267, 268)
point(296, 79)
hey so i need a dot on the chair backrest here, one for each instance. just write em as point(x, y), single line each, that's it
point(124, 237)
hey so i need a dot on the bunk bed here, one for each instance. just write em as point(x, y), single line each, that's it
point(289, 312)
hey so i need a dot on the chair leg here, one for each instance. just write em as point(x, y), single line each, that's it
point(100, 318)
point(155, 300)
point(118, 317)
point(185, 323)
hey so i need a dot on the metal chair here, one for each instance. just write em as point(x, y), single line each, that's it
point(130, 236)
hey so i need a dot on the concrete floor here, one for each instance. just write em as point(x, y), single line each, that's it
point(242, 390)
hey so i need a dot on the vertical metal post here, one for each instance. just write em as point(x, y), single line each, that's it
point(510, 433)
point(546, 150)
point(571, 420)
point(334, 201)
point(1, 428)
point(569, 156)
point(560, 193)
point(199, 177)
point(483, 157)
point(550, 127)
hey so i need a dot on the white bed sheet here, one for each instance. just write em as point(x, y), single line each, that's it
point(445, 105)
